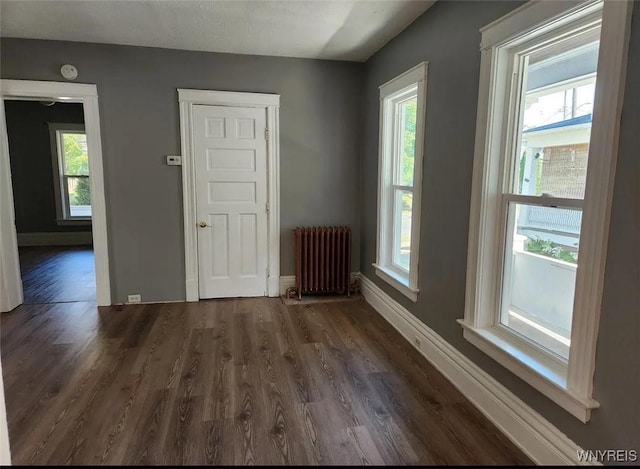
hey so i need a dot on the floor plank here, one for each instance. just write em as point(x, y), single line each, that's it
point(57, 274)
point(236, 381)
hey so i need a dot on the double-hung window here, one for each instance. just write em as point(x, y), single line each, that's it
point(549, 107)
point(70, 159)
point(402, 113)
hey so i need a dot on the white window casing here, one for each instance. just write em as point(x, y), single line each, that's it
point(568, 383)
point(63, 214)
point(409, 85)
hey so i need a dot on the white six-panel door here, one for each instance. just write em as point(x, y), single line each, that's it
point(231, 200)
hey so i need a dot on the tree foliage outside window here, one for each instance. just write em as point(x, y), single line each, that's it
point(409, 149)
point(76, 162)
point(548, 248)
point(76, 157)
point(82, 194)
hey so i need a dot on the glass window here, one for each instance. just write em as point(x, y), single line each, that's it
point(401, 130)
point(542, 188)
point(73, 160)
point(404, 156)
point(551, 152)
point(539, 279)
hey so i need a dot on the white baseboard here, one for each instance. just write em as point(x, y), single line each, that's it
point(67, 238)
point(288, 281)
point(150, 303)
point(533, 434)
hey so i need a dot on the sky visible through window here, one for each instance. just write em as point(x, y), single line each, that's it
point(558, 106)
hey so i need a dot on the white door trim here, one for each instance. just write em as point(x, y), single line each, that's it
point(87, 94)
point(269, 102)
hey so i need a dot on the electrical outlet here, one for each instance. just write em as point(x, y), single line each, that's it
point(134, 299)
point(416, 341)
point(173, 160)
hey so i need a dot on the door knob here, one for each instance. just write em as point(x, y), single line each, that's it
point(203, 224)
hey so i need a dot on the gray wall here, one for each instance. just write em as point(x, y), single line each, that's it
point(320, 144)
point(447, 36)
point(320, 120)
point(32, 164)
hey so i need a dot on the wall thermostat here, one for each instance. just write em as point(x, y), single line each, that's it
point(69, 72)
point(174, 160)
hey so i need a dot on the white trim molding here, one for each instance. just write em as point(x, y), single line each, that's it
point(412, 83)
point(59, 238)
point(568, 382)
point(397, 281)
point(547, 377)
point(5, 450)
point(11, 294)
point(527, 429)
point(612, 67)
point(286, 282)
point(149, 303)
point(271, 103)
point(87, 94)
point(535, 17)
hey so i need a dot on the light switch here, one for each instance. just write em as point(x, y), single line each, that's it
point(174, 160)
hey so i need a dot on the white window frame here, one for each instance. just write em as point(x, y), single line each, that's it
point(391, 93)
point(569, 384)
point(63, 215)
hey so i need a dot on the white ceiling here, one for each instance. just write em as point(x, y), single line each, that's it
point(321, 29)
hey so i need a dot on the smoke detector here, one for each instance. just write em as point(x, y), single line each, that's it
point(69, 72)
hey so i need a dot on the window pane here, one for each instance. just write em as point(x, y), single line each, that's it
point(556, 118)
point(403, 202)
point(406, 111)
point(79, 196)
point(540, 274)
point(76, 157)
point(584, 96)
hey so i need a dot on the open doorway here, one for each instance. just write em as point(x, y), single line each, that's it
point(53, 238)
point(49, 162)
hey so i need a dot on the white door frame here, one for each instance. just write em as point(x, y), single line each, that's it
point(11, 294)
point(271, 104)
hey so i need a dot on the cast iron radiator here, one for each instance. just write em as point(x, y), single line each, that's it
point(323, 261)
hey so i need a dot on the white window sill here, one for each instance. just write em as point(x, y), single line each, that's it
point(73, 221)
point(543, 373)
point(397, 281)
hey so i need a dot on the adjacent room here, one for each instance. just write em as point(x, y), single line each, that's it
point(52, 201)
point(316, 232)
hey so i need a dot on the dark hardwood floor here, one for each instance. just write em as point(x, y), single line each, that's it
point(57, 274)
point(233, 381)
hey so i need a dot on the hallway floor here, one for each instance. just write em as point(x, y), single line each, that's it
point(57, 274)
point(248, 381)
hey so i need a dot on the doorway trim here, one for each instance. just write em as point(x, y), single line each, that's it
point(271, 103)
point(11, 293)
